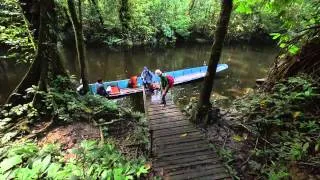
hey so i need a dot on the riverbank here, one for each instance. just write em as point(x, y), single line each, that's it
point(271, 134)
point(119, 42)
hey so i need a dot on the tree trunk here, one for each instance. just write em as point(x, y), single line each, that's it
point(31, 11)
point(98, 12)
point(191, 5)
point(77, 27)
point(41, 53)
point(200, 114)
point(124, 15)
point(46, 54)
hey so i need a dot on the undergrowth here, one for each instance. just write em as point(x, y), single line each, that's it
point(61, 105)
point(125, 133)
point(89, 161)
point(283, 126)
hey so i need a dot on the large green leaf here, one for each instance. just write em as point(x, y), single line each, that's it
point(52, 170)
point(9, 163)
point(45, 163)
point(25, 174)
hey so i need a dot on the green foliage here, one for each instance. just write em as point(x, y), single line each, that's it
point(166, 20)
point(92, 161)
point(14, 33)
point(297, 20)
point(277, 172)
point(284, 122)
point(228, 159)
point(65, 104)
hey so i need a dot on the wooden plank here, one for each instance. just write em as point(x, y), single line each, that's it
point(188, 165)
point(180, 150)
point(169, 134)
point(185, 164)
point(184, 129)
point(172, 128)
point(167, 115)
point(187, 170)
point(176, 116)
point(183, 151)
point(163, 111)
point(178, 137)
point(169, 119)
point(169, 124)
point(185, 144)
point(213, 173)
point(175, 141)
point(162, 163)
point(165, 121)
point(188, 155)
point(158, 105)
point(166, 126)
point(223, 176)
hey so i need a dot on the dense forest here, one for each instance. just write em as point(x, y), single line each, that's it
point(51, 130)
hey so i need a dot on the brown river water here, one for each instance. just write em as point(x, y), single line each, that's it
point(246, 63)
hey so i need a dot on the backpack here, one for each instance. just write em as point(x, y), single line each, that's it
point(101, 91)
point(170, 81)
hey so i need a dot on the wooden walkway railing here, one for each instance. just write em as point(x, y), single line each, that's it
point(179, 149)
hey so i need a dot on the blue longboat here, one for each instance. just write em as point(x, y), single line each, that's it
point(180, 77)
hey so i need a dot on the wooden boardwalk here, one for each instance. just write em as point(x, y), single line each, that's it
point(179, 149)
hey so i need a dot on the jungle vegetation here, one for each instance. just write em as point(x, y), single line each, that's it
point(283, 120)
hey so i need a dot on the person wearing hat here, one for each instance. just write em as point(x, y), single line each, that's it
point(166, 83)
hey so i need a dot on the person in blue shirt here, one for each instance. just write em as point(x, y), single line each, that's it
point(146, 77)
point(100, 88)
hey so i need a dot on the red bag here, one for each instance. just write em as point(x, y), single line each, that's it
point(170, 80)
point(115, 90)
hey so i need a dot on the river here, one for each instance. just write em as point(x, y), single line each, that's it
point(246, 63)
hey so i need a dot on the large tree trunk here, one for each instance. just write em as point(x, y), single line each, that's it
point(46, 54)
point(77, 27)
point(98, 11)
point(31, 11)
point(200, 114)
point(43, 47)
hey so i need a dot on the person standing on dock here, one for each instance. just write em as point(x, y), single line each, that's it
point(166, 82)
point(146, 77)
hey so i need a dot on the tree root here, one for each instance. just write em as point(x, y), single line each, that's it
point(44, 129)
point(306, 61)
point(110, 122)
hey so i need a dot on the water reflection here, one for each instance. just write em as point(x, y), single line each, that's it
point(246, 63)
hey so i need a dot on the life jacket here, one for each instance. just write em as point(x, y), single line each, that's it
point(170, 81)
point(133, 83)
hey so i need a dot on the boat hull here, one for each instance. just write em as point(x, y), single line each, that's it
point(180, 77)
